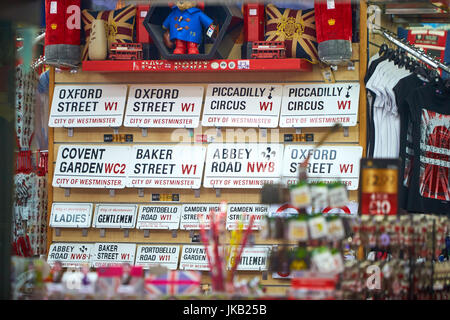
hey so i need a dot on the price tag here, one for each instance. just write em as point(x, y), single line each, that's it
point(323, 260)
point(338, 196)
point(301, 196)
point(336, 229)
point(319, 195)
point(318, 227)
point(379, 186)
point(298, 230)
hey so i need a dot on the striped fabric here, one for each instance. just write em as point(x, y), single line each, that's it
point(297, 28)
point(120, 25)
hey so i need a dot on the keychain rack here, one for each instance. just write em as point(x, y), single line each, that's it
point(411, 49)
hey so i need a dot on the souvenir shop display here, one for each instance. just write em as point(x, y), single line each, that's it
point(192, 150)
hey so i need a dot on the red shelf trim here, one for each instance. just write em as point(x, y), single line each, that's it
point(241, 65)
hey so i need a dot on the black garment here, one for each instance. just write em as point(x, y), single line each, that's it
point(402, 90)
point(429, 190)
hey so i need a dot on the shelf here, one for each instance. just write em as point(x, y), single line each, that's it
point(241, 65)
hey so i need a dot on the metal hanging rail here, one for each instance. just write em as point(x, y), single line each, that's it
point(416, 52)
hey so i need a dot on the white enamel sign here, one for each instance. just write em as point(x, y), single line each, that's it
point(160, 166)
point(107, 254)
point(166, 256)
point(88, 106)
point(71, 215)
point(252, 259)
point(70, 254)
point(242, 165)
point(115, 216)
point(159, 217)
point(327, 164)
point(319, 105)
point(164, 106)
point(192, 215)
point(194, 258)
point(79, 166)
point(243, 212)
point(242, 105)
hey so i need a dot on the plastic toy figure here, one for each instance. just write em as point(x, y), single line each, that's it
point(185, 25)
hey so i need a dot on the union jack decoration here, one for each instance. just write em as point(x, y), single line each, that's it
point(297, 28)
point(120, 24)
point(173, 283)
point(435, 155)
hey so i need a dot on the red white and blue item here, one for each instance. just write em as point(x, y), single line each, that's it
point(173, 283)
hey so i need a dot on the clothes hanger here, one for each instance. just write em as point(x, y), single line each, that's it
point(397, 57)
point(383, 49)
point(420, 70)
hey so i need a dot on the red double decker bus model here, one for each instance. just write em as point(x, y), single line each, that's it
point(268, 50)
point(126, 51)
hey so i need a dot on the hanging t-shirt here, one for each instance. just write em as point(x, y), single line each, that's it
point(402, 90)
point(429, 190)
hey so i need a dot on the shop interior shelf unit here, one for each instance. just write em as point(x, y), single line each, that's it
point(238, 65)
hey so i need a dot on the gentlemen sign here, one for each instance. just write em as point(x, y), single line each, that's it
point(161, 166)
point(243, 212)
point(91, 167)
point(70, 254)
point(319, 105)
point(107, 254)
point(88, 106)
point(192, 215)
point(242, 105)
point(71, 215)
point(164, 106)
point(242, 165)
point(166, 256)
point(326, 164)
point(252, 259)
point(159, 217)
point(115, 216)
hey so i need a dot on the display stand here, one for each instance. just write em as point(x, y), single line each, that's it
point(95, 72)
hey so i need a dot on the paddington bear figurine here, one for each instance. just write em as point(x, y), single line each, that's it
point(184, 25)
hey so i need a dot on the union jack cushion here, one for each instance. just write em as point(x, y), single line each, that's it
point(120, 25)
point(297, 28)
point(173, 283)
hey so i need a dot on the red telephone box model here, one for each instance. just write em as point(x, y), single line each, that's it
point(253, 22)
point(268, 50)
point(142, 35)
point(334, 30)
point(126, 51)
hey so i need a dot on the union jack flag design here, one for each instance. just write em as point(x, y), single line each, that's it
point(172, 283)
point(435, 155)
point(297, 28)
point(120, 25)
